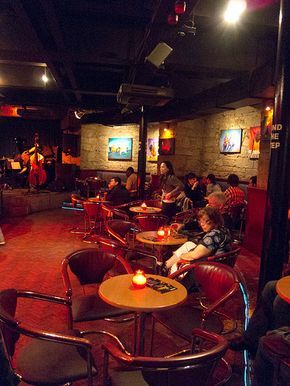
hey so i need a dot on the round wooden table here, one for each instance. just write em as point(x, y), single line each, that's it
point(283, 288)
point(150, 237)
point(147, 210)
point(119, 291)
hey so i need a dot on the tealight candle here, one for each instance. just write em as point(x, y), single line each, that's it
point(161, 233)
point(143, 206)
point(139, 279)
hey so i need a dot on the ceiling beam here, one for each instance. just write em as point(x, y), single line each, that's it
point(19, 10)
point(58, 38)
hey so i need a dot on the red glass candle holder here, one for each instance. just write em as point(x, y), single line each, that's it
point(160, 233)
point(139, 279)
point(144, 206)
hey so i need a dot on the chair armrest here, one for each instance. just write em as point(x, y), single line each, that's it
point(182, 270)
point(43, 297)
point(121, 214)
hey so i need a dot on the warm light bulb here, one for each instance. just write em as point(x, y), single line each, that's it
point(234, 10)
point(44, 78)
point(268, 108)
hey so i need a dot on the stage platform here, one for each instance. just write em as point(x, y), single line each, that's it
point(18, 202)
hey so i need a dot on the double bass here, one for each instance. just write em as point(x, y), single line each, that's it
point(37, 175)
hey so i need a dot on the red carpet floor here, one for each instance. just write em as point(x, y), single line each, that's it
point(31, 259)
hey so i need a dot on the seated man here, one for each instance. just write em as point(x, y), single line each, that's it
point(271, 313)
point(117, 194)
point(132, 179)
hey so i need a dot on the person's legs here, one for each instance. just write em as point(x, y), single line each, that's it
point(2, 240)
point(260, 322)
point(186, 247)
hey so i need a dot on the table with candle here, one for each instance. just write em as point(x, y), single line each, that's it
point(161, 238)
point(142, 300)
point(143, 208)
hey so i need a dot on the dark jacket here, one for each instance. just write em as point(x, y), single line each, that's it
point(118, 195)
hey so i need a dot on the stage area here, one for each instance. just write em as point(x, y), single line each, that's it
point(18, 202)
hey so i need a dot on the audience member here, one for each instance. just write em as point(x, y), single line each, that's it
point(233, 193)
point(193, 190)
point(117, 194)
point(253, 181)
point(271, 313)
point(171, 186)
point(132, 180)
point(211, 185)
point(216, 240)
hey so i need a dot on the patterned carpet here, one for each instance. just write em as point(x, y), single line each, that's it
point(31, 259)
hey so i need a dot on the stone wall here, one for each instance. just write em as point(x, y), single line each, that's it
point(196, 145)
point(94, 146)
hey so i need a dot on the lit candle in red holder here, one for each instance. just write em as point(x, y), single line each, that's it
point(139, 279)
point(161, 233)
point(98, 197)
point(143, 206)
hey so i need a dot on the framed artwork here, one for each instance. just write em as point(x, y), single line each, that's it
point(166, 146)
point(254, 142)
point(230, 141)
point(120, 149)
point(152, 149)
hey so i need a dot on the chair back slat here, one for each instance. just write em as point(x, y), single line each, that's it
point(216, 280)
point(90, 265)
point(151, 222)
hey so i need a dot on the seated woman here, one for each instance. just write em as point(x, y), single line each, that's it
point(216, 240)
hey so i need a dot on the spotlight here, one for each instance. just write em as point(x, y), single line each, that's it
point(234, 10)
point(44, 78)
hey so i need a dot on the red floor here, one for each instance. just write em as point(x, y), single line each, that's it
point(31, 259)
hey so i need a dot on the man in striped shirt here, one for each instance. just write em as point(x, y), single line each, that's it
point(235, 198)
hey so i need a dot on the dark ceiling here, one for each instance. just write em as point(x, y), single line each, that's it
point(91, 47)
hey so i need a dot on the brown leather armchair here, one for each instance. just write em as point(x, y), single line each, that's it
point(91, 266)
point(44, 357)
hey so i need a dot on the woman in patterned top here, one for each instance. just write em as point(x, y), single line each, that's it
point(216, 240)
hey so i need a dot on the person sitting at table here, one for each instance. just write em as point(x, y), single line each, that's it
point(117, 194)
point(217, 239)
point(211, 185)
point(271, 312)
point(171, 186)
point(132, 179)
point(193, 190)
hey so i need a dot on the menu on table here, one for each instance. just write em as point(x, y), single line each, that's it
point(159, 285)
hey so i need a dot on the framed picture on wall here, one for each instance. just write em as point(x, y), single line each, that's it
point(152, 149)
point(254, 142)
point(120, 149)
point(230, 141)
point(167, 146)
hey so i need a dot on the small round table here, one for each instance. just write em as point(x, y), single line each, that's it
point(119, 292)
point(151, 237)
point(147, 210)
point(283, 288)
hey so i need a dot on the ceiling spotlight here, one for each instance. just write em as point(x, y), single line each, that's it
point(234, 10)
point(180, 7)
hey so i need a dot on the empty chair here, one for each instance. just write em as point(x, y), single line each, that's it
point(150, 222)
point(44, 357)
point(92, 218)
point(94, 185)
point(77, 203)
point(91, 266)
point(122, 234)
point(194, 369)
point(218, 283)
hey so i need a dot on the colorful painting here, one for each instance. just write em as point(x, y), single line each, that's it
point(166, 146)
point(254, 142)
point(152, 149)
point(230, 141)
point(120, 149)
